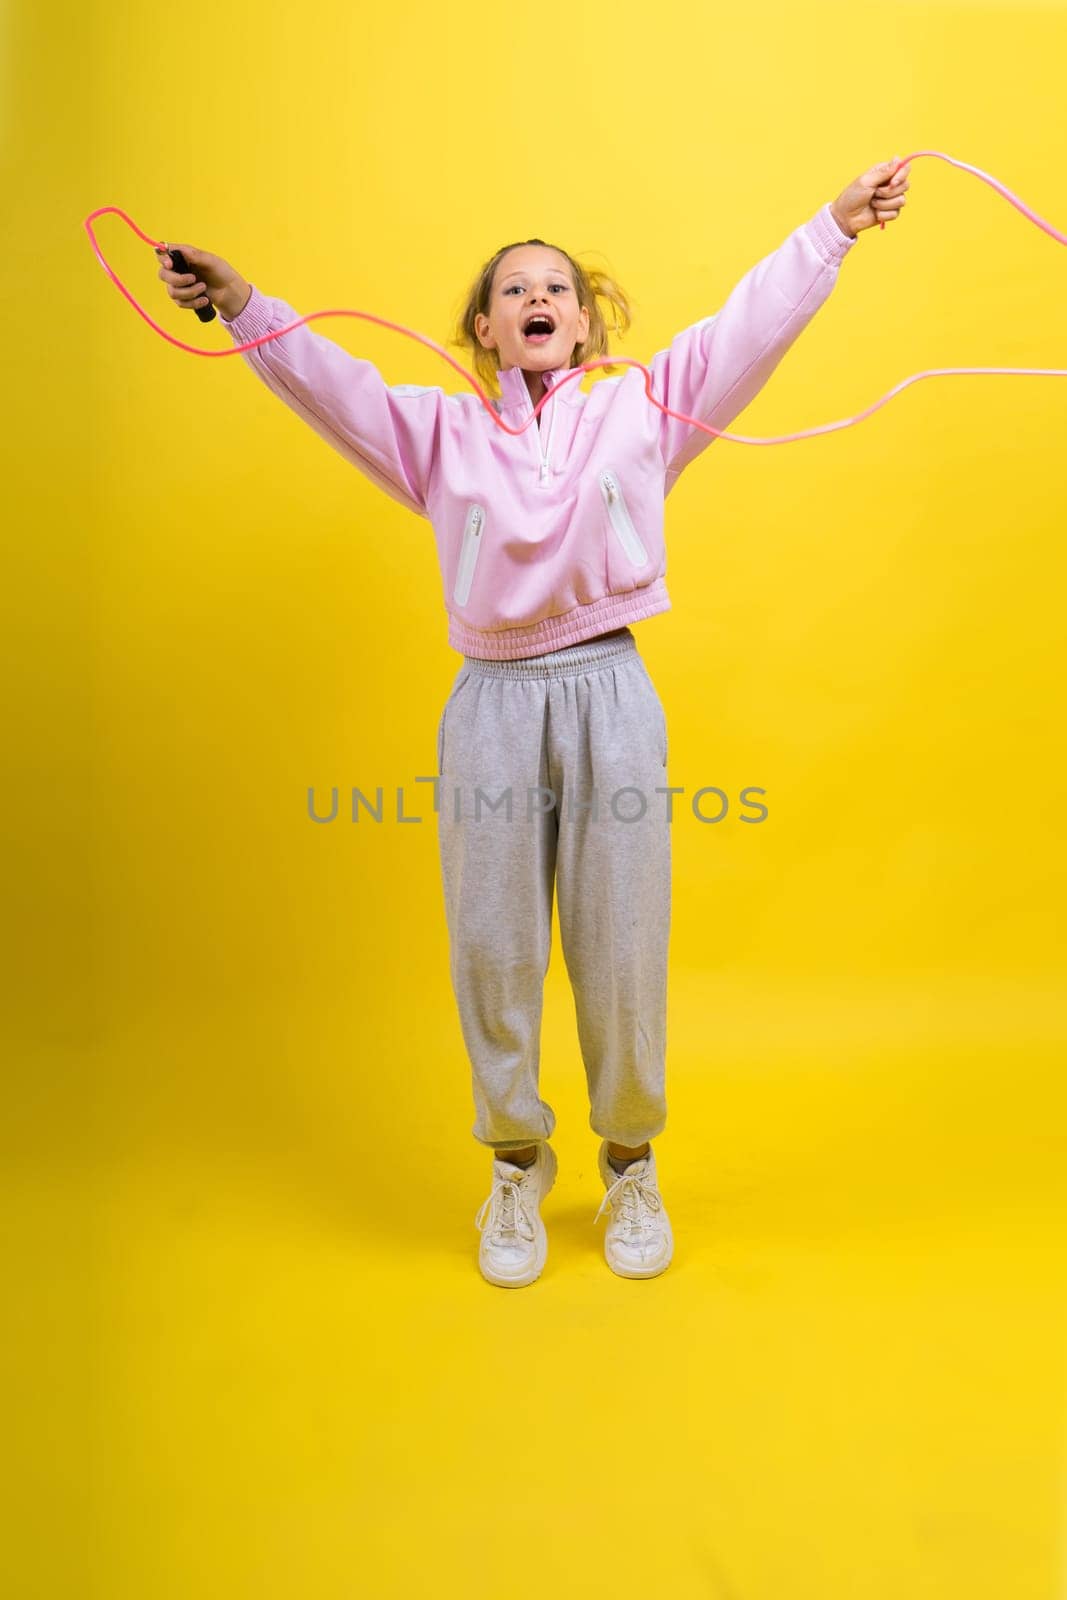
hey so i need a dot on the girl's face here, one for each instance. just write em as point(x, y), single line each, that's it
point(532, 281)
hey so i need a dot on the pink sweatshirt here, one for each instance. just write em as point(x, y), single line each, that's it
point(557, 535)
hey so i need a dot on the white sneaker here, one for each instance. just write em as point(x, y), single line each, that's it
point(514, 1242)
point(638, 1242)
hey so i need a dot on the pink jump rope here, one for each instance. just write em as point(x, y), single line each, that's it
point(206, 313)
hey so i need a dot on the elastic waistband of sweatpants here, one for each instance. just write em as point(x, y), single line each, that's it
point(587, 656)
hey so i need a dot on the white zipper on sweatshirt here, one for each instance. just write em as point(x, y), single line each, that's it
point(621, 520)
point(543, 445)
point(468, 554)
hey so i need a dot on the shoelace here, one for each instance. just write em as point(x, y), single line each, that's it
point(639, 1197)
point(511, 1217)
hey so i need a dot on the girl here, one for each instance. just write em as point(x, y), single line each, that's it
point(552, 744)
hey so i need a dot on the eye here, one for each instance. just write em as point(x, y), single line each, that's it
point(518, 286)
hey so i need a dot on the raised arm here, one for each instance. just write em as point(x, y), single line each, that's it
point(389, 433)
point(715, 367)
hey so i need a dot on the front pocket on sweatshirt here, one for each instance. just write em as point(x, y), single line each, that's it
point(621, 520)
point(473, 537)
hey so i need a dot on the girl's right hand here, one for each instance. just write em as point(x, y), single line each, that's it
point(211, 280)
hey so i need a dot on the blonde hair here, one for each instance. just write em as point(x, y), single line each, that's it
point(590, 284)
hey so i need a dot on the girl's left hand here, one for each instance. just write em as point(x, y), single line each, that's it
point(872, 198)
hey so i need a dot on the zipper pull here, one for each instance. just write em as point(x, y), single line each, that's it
point(609, 484)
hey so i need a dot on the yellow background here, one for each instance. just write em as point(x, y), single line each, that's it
point(252, 1352)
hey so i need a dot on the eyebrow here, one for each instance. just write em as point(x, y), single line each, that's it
point(520, 274)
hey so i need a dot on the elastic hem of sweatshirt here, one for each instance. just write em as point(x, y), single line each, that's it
point(253, 321)
point(827, 233)
point(554, 633)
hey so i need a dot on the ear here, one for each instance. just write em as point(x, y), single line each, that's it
point(481, 329)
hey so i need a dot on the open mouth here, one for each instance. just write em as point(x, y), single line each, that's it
point(538, 330)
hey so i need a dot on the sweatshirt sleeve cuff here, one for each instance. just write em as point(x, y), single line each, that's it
point(253, 321)
point(828, 237)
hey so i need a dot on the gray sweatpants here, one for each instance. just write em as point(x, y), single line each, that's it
point(549, 769)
